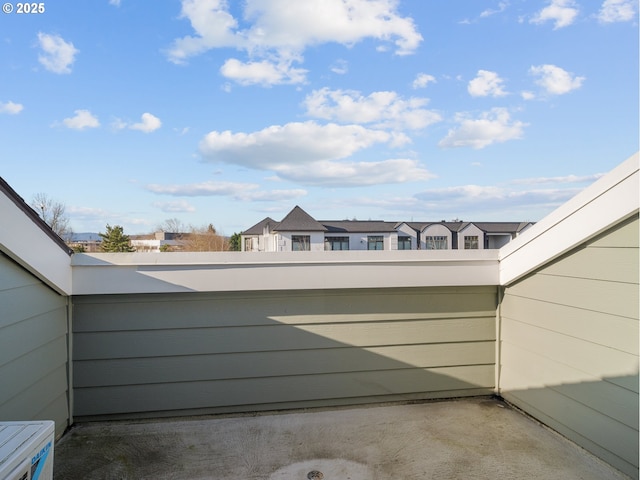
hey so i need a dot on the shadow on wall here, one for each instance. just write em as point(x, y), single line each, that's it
point(601, 416)
point(178, 354)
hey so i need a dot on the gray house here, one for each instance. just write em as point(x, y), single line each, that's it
point(299, 231)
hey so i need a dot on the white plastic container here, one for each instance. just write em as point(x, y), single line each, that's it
point(26, 450)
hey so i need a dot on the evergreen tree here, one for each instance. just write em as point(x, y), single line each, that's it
point(234, 242)
point(115, 240)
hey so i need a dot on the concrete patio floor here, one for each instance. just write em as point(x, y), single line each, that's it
point(478, 438)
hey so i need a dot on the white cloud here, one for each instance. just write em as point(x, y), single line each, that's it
point(57, 55)
point(349, 174)
point(148, 124)
point(180, 206)
point(538, 194)
point(486, 84)
point(494, 126)
point(201, 189)
point(11, 108)
point(271, 195)
point(476, 200)
point(617, 11)
point(561, 12)
point(502, 6)
point(297, 143)
point(213, 26)
point(280, 30)
point(262, 73)
point(556, 180)
point(527, 95)
point(82, 119)
point(555, 80)
point(114, 2)
point(340, 67)
point(238, 191)
point(313, 154)
point(382, 109)
point(422, 80)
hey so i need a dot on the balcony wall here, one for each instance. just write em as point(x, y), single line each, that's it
point(288, 344)
point(35, 281)
point(568, 323)
point(569, 345)
point(33, 348)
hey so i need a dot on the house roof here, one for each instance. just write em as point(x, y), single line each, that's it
point(501, 227)
point(358, 226)
point(453, 226)
point(297, 220)
point(33, 215)
point(258, 228)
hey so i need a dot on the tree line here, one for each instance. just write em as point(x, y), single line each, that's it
point(188, 238)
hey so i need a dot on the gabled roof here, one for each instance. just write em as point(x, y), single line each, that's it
point(32, 215)
point(358, 226)
point(501, 227)
point(297, 220)
point(452, 226)
point(258, 228)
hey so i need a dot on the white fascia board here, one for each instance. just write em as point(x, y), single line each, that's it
point(608, 201)
point(239, 271)
point(25, 243)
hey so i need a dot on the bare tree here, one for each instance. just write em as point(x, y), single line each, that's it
point(172, 225)
point(53, 213)
point(205, 239)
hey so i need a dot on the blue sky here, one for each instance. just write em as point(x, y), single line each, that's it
point(131, 112)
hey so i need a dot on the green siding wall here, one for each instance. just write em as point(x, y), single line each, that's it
point(569, 345)
point(33, 349)
point(180, 354)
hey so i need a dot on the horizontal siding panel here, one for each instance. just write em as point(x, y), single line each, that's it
point(131, 312)
point(245, 351)
point(56, 410)
point(266, 364)
point(28, 335)
point(595, 360)
point(277, 337)
point(14, 276)
point(626, 235)
point(31, 367)
point(171, 396)
point(621, 333)
point(528, 370)
point(610, 457)
point(608, 434)
point(608, 264)
point(31, 402)
point(26, 302)
point(608, 297)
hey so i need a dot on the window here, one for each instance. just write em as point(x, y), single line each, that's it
point(375, 242)
point(336, 243)
point(471, 243)
point(300, 243)
point(436, 243)
point(248, 244)
point(404, 243)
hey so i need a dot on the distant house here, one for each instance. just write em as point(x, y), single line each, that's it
point(156, 242)
point(88, 242)
point(360, 235)
point(299, 231)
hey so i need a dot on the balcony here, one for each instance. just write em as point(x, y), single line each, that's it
point(358, 349)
